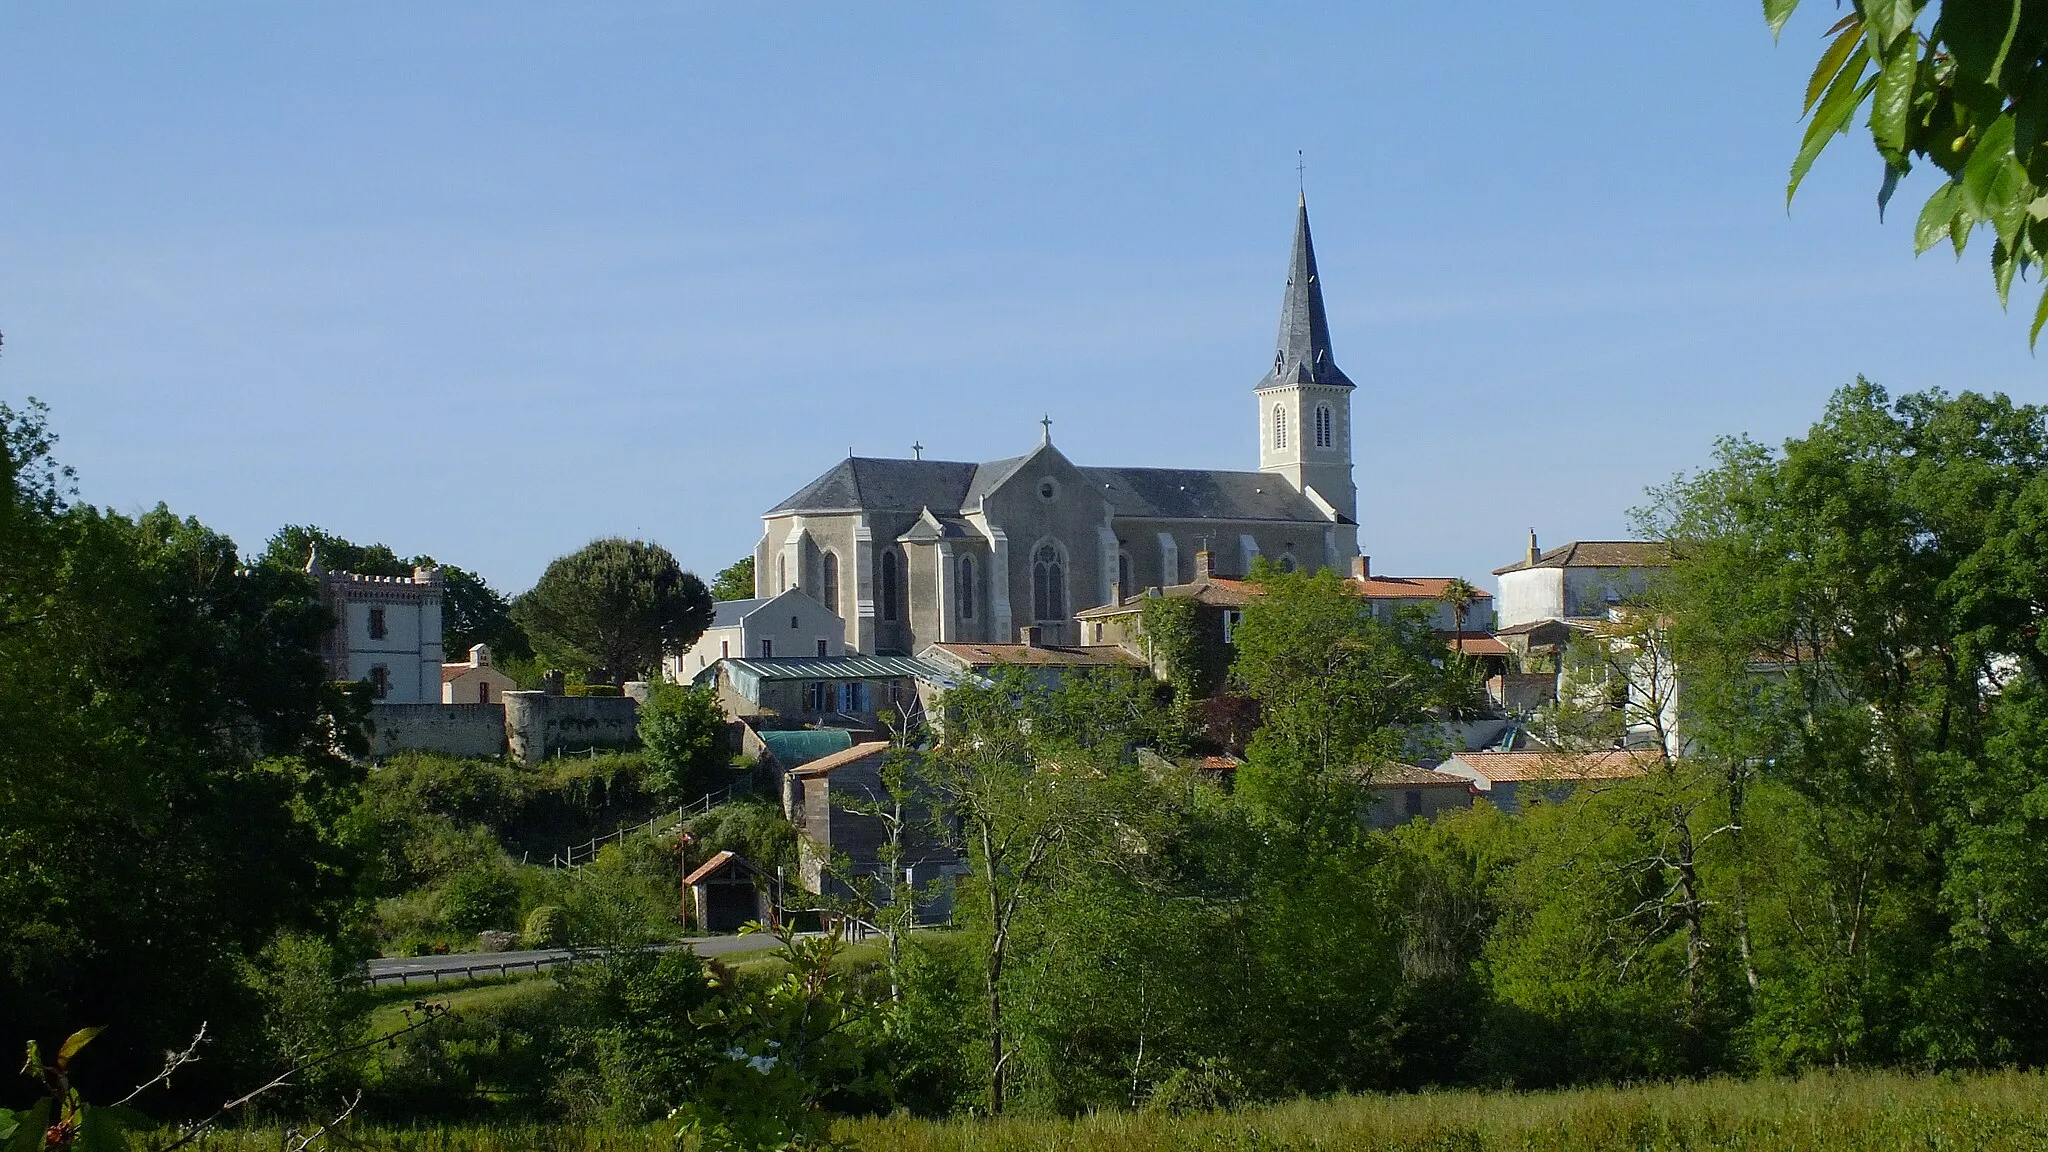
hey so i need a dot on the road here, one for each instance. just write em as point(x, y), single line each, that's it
point(460, 965)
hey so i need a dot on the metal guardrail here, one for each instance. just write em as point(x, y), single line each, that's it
point(581, 854)
point(404, 978)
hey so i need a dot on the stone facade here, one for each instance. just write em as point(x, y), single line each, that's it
point(387, 631)
point(911, 553)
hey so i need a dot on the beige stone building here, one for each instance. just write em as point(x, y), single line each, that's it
point(918, 552)
point(476, 682)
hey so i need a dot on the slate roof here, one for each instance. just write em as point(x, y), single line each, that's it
point(729, 613)
point(1599, 554)
point(873, 483)
point(1202, 494)
point(949, 488)
point(1303, 355)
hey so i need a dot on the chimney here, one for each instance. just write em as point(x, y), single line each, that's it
point(1361, 567)
point(480, 656)
point(1031, 636)
point(1205, 566)
point(1535, 553)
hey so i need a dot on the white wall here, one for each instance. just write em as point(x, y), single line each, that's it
point(795, 623)
point(410, 650)
point(1529, 595)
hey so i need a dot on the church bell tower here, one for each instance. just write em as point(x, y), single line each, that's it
point(1305, 401)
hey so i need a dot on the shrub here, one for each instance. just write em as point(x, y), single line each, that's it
point(683, 730)
point(480, 898)
point(547, 926)
point(591, 690)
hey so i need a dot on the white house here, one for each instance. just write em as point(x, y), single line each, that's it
point(387, 631)
point(1578, 581)
point(475, 682)
point(788, 624)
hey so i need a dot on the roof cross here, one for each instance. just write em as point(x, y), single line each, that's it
point(1047, 421)
point(917, 451)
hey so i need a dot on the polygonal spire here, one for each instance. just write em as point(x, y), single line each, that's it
point(1303, 355)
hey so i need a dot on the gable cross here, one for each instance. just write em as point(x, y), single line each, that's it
point(917, 451)
point(1047, 422)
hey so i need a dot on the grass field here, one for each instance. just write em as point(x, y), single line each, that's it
point(1822, 1113)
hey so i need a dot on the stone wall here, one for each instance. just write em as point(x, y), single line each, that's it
point(469, 730)
point(538, 725)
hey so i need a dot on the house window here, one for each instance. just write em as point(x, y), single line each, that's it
point(1279, 427)
point(380, 681)
point(853, 696)
point(816, 697)
point(1231, 619)
point(377, 630)
point(1098, 631)
point(724, 649)
point(767, 647)
point(832, 581)
point(1048, 584)
point(1325, 434)
point(1412, 803)
point(824, 647)
point(967, 587)
point(889, 580)
point(483, 692)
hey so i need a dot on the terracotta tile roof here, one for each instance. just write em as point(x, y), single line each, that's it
point(1086, 656)
point(1410, 588)
point(710, 867)
point(825, 764)
point(455, 671)
point(1503, 767)
point(1218, 591)
point(1475, 643)
point(1599, 554)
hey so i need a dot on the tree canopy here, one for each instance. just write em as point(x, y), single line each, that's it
point(613, 608)
point(735, 581)
point(175, 778)
point(1965, 90)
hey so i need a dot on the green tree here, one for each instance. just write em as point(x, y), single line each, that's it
point(684, 733)
point(1965, 91)
point(735, 581)
point(1336, 689)
point(293, 545)
point(1460, 595)
point(1857, 625)
point(175, 779)
point(473, 612)
point(612, 609)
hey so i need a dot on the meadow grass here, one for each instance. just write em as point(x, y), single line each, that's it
point(1829, 1112)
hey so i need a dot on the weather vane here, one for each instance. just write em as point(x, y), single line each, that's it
point(1300, 172)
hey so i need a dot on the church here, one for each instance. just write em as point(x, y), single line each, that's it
point(915, 552)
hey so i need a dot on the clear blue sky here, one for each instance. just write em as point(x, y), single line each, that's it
point(491, 280)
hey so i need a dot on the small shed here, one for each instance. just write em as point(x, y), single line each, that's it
point(1403, 792)
point(726, 892)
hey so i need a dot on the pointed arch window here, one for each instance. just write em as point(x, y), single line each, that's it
point(967, 587)
point(1048, 584)
point(1325, 431)
point(1279, 427)
point(831, 588)
point(782, 573)
point(1123, 576)
point(890, 580)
